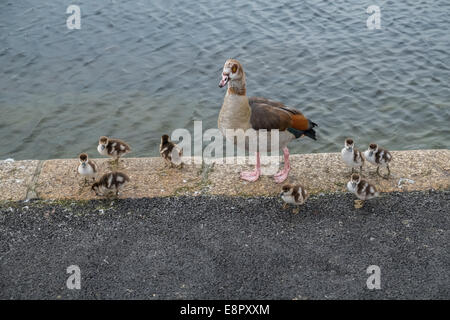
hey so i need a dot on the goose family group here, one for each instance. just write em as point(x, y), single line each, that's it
point(241, 112)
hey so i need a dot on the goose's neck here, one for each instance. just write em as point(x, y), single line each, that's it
point(237, 88)
point(235, 112)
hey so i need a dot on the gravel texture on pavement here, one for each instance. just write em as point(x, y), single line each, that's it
point(215, 247)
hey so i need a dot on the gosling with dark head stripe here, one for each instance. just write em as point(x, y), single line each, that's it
point(170, 152)
point(362, 189)
point(351, 156)
point(113, 148)
point(379, 157)
point(293, 194)
point(87, 168)
point(110, 183)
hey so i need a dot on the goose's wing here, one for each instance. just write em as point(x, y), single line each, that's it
point(268, 114)
point(93, 165)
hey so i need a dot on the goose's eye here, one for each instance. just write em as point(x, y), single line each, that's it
point(234, 68)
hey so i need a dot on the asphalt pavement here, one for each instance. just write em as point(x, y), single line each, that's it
point(227, 248)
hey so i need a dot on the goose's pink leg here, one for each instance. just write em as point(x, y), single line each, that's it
point(283, 174)
point(253, 175)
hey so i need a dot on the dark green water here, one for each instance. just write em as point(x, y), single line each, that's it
point(139, 69)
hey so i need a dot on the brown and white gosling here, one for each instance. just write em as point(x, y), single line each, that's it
point(111, 182)
point(113, 148)
point(87, 168)
point(379, 157)
point(351, 156)
point(362, 189)
point(170, 152)
point(293, 194)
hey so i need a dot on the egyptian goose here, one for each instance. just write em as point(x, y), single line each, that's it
point(240, 112)
point(110, 182)
point(379, 157)
point(113, 148)
point(170, 152)
point(362, 189)
point(87, 168)
point(351, 156)
point(293, 194)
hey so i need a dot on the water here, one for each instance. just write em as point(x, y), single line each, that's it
point(139, 69)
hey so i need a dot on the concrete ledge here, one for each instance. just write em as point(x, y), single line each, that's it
point(16, 178)
point(319, 173)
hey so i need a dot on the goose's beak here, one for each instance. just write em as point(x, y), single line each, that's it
point(224, 81)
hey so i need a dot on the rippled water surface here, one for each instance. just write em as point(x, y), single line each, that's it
point(138, 69)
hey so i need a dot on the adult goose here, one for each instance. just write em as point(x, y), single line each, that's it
point(240, 112)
